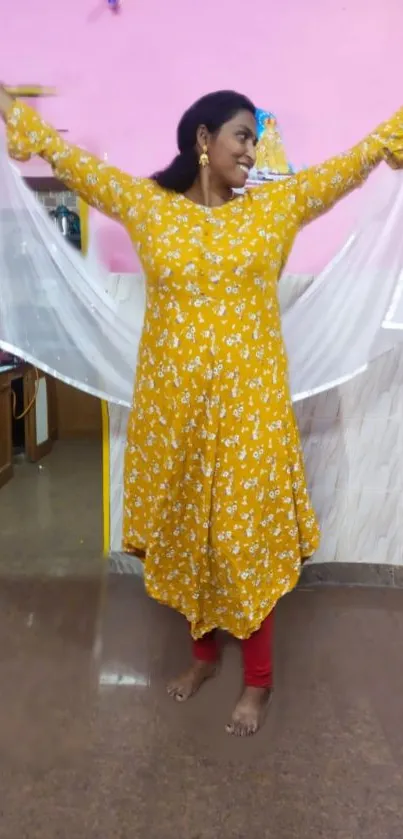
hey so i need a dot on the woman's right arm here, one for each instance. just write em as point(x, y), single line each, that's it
point(314, 191)
point(102, 186)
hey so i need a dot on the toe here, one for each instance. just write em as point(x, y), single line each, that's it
point(252, 729)
point(242, 727)
point(236, 728)
point(176, 694)
point(175, 691)
point(180, 696)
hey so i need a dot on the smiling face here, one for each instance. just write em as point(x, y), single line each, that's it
point(231, 150)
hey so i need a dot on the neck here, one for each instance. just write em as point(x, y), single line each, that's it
point(207, 192)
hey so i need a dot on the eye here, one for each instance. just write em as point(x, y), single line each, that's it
point(242, 135)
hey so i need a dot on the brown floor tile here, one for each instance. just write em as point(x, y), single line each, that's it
point(92, 747)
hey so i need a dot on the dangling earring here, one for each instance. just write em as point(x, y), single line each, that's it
point(204, 158)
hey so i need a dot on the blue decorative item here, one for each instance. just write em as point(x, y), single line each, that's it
point(271, 159)
point(261, 120)
point(114, 5)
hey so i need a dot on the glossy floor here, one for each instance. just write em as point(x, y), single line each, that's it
point(51, 512)
point(92, 747)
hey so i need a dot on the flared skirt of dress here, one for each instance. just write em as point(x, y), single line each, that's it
point(215, 490)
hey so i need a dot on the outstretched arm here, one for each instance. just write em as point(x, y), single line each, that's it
point(100, 185)
point(312, 192)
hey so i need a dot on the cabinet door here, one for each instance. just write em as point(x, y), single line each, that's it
point(52, 407)
point(6, 443)
point(39, 419)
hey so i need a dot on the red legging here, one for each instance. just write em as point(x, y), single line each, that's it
point(256, 653)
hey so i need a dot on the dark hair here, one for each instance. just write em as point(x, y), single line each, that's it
point(213, 111)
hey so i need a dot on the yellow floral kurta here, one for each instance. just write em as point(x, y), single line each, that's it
point(215, 490)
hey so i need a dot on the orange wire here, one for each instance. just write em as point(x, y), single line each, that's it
point(31, 403)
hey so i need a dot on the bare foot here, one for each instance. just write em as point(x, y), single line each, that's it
point(250, 712)
point(189, 683)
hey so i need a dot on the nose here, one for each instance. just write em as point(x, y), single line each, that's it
point(251, 152)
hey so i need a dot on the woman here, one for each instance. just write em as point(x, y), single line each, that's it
point(215, 493)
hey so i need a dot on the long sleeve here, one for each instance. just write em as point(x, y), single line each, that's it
point(102, 186)
point(314, 191)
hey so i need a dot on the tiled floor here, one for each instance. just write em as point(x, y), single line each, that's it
point(92, 747)
point(51, 512)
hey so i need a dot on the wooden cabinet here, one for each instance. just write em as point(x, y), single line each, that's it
point(40, 420)
point(6, 445)
point(79, 415)
point(36, 404)
point(52, 410)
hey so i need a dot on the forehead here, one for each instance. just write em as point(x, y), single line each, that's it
point(244, 119)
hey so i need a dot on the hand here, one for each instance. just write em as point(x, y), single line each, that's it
point(393, 138)
point(394, 159)
point(6, 101)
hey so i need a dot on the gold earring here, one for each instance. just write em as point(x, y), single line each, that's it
point(204, 158)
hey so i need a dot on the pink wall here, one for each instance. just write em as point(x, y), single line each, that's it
point(330, 71)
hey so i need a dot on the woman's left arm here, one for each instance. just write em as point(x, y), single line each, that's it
point(313, 191)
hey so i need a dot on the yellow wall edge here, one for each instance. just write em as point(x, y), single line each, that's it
point(83, 210)
point(106, 500)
